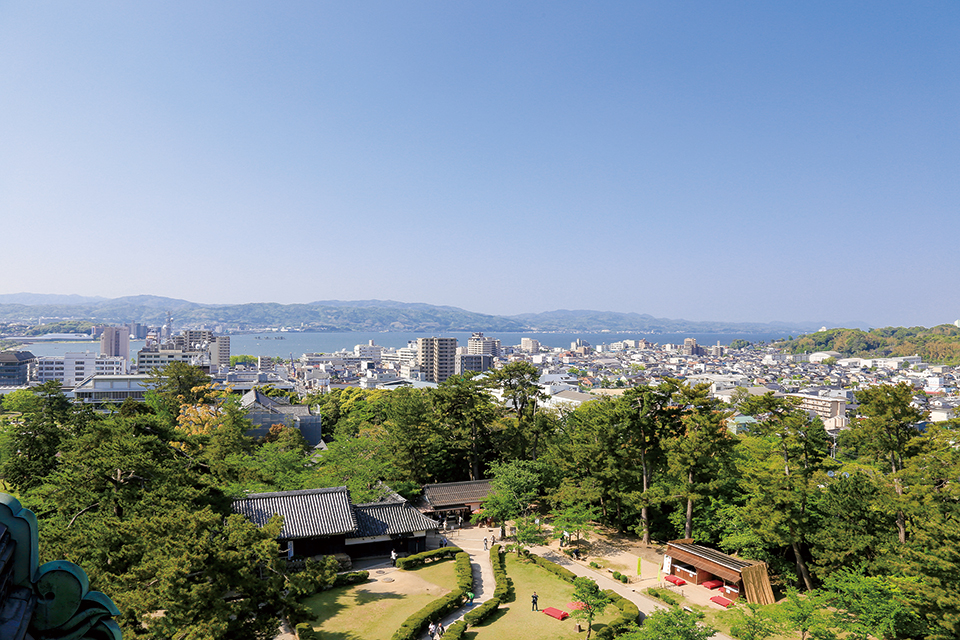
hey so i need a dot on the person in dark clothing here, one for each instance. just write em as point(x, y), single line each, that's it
point(534, 598)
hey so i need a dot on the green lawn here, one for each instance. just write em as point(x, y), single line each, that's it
point(375, 610)
point(516, 621)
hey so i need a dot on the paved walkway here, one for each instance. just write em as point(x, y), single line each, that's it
point(470, 539)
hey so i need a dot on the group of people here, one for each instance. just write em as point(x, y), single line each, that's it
point(493, 541)
point(435, 631)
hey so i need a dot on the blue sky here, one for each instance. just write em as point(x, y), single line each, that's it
point(741, 161)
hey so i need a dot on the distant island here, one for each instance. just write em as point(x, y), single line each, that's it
point(358, 315)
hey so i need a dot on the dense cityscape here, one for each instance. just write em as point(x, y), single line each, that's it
point(376, 452)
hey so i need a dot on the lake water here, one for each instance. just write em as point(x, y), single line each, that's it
point(283, 344)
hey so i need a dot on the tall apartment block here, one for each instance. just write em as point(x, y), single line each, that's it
point(115, 341)
point(437, 358)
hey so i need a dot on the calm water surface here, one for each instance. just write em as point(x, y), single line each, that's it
point(284, 344)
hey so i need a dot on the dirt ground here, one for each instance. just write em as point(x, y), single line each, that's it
point(403, 582)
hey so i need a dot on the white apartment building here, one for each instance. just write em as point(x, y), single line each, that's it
point(478, 344)
point(530, 345)
point(369, 351)
point(148, 360)
point(71, 369)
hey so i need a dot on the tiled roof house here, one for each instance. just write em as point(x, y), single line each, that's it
point(324, 521)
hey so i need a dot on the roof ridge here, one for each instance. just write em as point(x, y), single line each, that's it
point(297, 492)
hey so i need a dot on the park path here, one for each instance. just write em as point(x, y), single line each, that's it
point(470, 539)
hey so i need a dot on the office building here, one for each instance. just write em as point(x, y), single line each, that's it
point(473, 362)
point(15, 367)
point(71, 369)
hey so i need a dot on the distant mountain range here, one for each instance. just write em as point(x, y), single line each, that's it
point(356, 315)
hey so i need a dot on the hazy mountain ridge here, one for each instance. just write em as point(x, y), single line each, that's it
point(360, 315)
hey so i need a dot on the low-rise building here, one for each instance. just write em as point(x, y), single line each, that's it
point(71, 369)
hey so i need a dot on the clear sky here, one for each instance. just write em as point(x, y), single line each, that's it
point(740, 161)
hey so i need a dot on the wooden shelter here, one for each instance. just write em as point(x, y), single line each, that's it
point(698, 565)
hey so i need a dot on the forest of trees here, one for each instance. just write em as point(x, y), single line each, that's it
point(140, 496)
point(936, 344)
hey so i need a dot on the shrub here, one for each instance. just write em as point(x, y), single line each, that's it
point(624, 578)
point(414, 626)
point(594, 565)
point(617, 575)
point(561, 572)
point(503, 583)
point(354, 577)
point(305, 632)
point(629, 614)
point(664, 595)
point(456, 630)
point(418, 559)
point(482, 612)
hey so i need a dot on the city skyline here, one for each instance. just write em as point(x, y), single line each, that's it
point(743, 162)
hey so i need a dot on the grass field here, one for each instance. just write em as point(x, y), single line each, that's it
point(516, 621)
point(375, 610)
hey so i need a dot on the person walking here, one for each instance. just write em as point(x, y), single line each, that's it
point(440, 630)
point(534, 598)
point(485, 544)
point(393, 556)
point(431, 630)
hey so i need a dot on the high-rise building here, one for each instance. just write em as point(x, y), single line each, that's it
point(115, 341)
point(437, 358)
point(478, 344)
point(219, 348)
point(530, 345)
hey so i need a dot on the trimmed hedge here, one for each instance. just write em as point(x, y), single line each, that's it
point(503, 583)
point(414, 626)
point(456, 630)
point(629, 613)
point(464, 572)
point(354, 577)
point(561, 572)
point(418, 559)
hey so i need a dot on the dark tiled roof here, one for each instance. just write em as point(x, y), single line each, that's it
point(15, 356)
point(389, 518)
point(256, 401)
point(455, 494)
point(306, 514)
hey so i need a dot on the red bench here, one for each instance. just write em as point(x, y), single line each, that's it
point(720, 600)
point(556, 613)
point(712, 584)
point(675, 580)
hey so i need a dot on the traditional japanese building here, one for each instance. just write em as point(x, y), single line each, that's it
point(325, 522)
point(734, 578)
